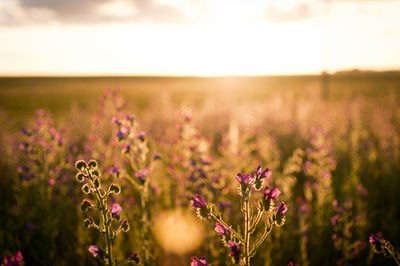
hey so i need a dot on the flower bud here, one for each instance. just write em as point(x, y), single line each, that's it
point(115, 189)
point(95, 250)
point(88, 222)
point(93, 164)
point(235, 251)
point(220, 229)
point(81, 165)
point(86, 189)
point(95, 173)
point(134, 257)
point(85, 205)
point(280, 211)
point(199, 262)
point(125, 225)
point(198, 201)
point(96, 183)
point(115, 209)
point(80, 177)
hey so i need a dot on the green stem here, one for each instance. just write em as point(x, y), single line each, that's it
point(103, 210)
point(261, 240)
point(256, 220)
point(394, 256)
point(246, 231)
point(145, 219)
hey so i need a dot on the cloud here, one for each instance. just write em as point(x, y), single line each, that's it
point(16, 12)
point(299, 11)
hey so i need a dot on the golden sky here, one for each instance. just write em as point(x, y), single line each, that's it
point(197, 37)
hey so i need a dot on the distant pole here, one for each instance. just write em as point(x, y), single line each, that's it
point(325, 78)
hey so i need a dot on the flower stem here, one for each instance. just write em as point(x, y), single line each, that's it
point(246, 209)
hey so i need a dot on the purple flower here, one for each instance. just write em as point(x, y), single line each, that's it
point(134, 257)
point(244, 179)
point(266, 173)
point(95, 250)
point(25, 132)
point(115, 121)
point(282, 208)
point(199, 262)
point(114, 170)
point(198, 201)
point(235, 250)
point(141, 175)
point(130, 117)
point(220, 229)
point(11, 260)
point(271, 194)
point(141, 135)
point(126, 148)
point(334, 220)
point(156, 156)
point(115, 209)
point(374, 240)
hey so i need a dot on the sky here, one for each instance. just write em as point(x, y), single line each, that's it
point(197, 37)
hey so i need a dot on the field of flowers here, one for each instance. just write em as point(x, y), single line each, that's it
point(282, 179)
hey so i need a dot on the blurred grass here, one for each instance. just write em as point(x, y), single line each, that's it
point(20, 96)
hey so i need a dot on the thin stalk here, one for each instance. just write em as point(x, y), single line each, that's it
point(394, 256)
point(261, 240)
point(145, 219)
point(246, 231)
point(103, 210)
point(256, 220)
point(239, 237)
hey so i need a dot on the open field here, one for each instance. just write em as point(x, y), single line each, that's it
point(332, 146)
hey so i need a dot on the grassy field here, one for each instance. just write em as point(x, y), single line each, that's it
point(20, 96)
point(332, 145)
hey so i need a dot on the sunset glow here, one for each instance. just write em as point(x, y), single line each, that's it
point(198, 38)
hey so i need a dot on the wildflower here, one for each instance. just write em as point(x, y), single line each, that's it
point(280, 211)
point(220, 229)
point(11, 260)
point(130, 117)
point(134, 257)
point(282, 208)
point(114, 120)
point(114, 170)
point(265, 173)
point(271, 194)
point(95, 250)
point(115, 209)
point(156, 156)
point(141, 175)
point(334, 220)
point(141, 135)
point(198, 201)
point(235, 250)
point(374, 240)
point(199, 262)
point(244, 179)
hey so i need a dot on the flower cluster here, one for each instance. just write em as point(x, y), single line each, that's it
point(344, 223)
point(110, 223)
point(240, 244)
point(13, 260)
point(382, 246)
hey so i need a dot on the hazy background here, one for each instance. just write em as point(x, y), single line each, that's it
point(196, 37)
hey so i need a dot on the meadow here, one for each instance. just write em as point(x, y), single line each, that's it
point(278, 170)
